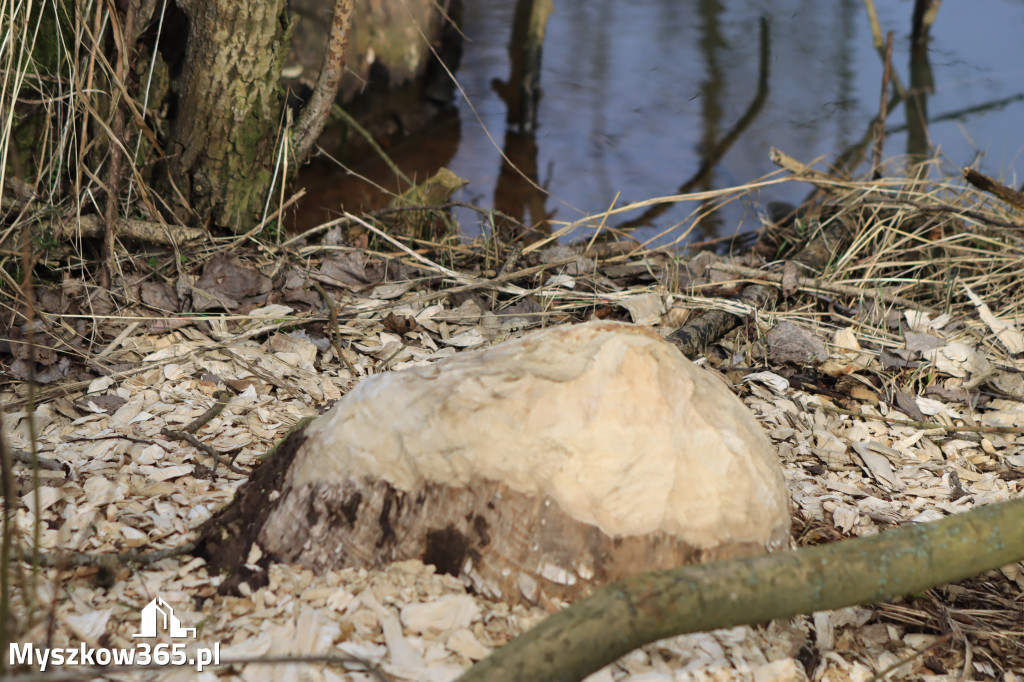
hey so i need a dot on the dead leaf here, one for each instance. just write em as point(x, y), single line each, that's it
point(1007, 334)
point(399, 324)
point(226, 282)
point(346, 269)
point(959, 360)
point(877, 465)
point(898, 358)
point(159, 295)
point(21, 370)
point(645, 308)
point(918, 343)
point(854, 387)
point(788, 343)
point(906, 403)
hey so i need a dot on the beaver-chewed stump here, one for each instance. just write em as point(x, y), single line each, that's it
point(538, 468)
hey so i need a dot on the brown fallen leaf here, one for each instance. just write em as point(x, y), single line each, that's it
point(399, 324)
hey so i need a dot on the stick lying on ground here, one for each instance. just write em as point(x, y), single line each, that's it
point(618, 618)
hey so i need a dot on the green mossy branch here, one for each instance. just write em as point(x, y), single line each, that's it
point(594, 632)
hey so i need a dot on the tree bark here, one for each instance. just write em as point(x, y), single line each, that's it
point(112, 208)
point(619, 618)
point(314, 116)
point(223, 139)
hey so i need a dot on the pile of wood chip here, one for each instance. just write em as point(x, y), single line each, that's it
point(122, 485)
point(906, 420)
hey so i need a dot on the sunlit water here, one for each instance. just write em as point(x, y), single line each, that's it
point(635, 92)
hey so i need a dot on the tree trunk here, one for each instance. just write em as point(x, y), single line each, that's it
point(222, 142)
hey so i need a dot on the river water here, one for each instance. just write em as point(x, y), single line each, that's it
point(637, 95)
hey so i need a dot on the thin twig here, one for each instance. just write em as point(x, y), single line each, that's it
point(448, 272)
point(483, 284)
point(275, 215)
point(404, 345)
point(941, 641)
point(923, 425)
point(223, 397)
point(332, 326)
point(377, 149)
point(186, 434)
point(203, 447)
point(815, 284)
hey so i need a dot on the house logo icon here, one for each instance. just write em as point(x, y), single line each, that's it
point(159, 612)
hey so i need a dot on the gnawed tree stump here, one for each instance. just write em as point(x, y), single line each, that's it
point(537, 468)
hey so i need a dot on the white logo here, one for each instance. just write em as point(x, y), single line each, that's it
point(158, 608)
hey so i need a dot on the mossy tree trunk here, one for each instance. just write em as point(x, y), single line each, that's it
point(224, 133)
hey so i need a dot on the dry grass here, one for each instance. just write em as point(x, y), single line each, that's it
point(916, 237)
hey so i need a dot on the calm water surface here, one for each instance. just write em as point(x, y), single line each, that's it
point(636, 94)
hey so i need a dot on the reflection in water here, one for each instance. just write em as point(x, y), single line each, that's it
point(517, 190)
point(921, 85)
point(518, 194)
point(365, 183)
point(521, 92)
point(714, 149)
point(638, 96)
point(714, 50)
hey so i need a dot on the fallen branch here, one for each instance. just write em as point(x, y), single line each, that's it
point(987, 184)
point(693, 337)
point(139, 230)
point(594, 632)
point(58, 558)
point(815, 284)
point(23, 457)
point(186, 434)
